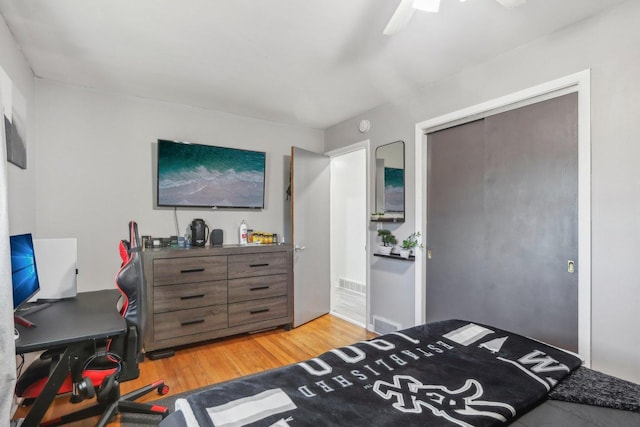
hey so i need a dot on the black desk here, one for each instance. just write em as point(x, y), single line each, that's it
point(69, 324)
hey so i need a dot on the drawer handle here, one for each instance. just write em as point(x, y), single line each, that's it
point(266, 264)
point(192, 296)
point(192, 270)
point(191, 322)
point(259, 288)
point(261, 310)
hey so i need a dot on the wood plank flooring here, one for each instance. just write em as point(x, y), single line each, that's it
point(225, 359)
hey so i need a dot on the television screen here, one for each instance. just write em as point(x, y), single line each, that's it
point(194, 175)
point(393, 190)
point(24, 274)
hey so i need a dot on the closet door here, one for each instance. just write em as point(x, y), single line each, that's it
point(511, 222)
point(455, 223)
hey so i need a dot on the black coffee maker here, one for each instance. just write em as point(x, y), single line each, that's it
point(199, 232)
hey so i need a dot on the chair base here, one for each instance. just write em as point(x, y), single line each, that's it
point(118, 404)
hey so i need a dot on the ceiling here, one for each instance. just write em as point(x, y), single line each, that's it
point(312, 63)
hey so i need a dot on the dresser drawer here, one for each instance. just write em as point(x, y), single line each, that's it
point(187, 270)
point(187, 322)
point(242, 313)
point(189, 295)
point(258, 264)
point(251, 288)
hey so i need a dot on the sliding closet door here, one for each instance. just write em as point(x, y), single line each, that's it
point(455, 222)
point(519, 244)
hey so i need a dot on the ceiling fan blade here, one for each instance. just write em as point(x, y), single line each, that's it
point(510, 4)
point(400, 17)
point(432, 6)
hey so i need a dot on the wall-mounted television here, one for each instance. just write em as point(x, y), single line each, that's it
point(195, 175)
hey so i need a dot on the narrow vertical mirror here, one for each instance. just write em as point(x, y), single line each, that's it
point(389, 183)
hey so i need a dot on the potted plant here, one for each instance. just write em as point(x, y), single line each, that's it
point(409, 244)
point(388, 240)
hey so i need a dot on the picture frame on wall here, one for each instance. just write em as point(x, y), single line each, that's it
point(14, 112)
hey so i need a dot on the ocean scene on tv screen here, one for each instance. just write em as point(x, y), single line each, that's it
point(393, 190)
point(203, 175)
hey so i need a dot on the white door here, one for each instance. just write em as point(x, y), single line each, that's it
point(310, 181)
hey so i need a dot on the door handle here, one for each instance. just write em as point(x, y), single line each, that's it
point(571, 266)
point(299, 248)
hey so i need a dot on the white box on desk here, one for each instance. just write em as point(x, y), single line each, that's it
point(56, 262)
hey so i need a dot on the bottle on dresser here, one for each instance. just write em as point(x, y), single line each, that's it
point(242, 233)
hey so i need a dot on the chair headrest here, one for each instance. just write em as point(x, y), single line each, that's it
point(134, 240)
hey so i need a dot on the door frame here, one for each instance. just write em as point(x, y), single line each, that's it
point(579, 82)
point(365, 144)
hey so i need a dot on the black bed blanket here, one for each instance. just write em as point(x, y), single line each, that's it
point(441, 374)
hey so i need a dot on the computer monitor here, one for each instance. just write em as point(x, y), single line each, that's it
point(24, 273)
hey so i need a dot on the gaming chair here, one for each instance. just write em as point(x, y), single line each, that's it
point(105, 367)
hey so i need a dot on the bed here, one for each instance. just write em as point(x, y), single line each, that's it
point(449, 373)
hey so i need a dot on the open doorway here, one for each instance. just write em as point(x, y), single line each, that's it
point(348, 233)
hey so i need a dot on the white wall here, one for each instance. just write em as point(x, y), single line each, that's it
point(21, 181)
point(608, 45)
point(348, 197)
point(96, 160)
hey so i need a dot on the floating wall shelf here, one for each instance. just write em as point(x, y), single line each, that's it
point(396, 256)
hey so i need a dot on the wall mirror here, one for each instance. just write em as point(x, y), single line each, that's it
point(389, 183)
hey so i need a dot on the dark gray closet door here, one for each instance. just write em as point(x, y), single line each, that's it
point(502, 221)
point(455, 222)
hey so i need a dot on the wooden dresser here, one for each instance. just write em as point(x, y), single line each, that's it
point(201, 293)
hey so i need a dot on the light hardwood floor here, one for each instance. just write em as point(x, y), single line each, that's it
point(225, 359)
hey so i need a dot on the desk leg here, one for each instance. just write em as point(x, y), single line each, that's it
point(50, 390)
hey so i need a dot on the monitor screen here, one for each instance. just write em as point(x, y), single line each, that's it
point(194, 175)
point(24, 274)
